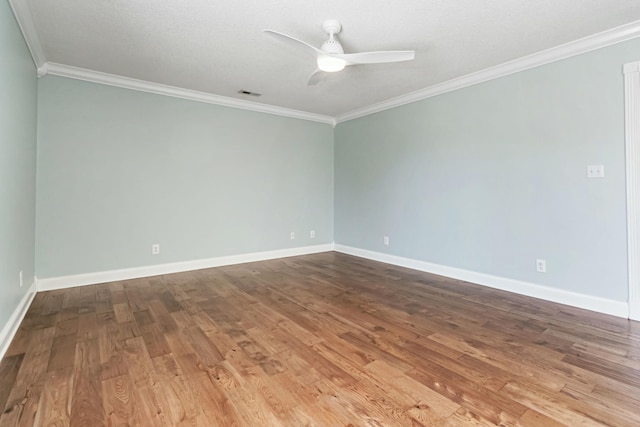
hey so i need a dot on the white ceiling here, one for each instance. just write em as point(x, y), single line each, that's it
point(218, 47)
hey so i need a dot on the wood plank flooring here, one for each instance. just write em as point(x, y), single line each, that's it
point(318, 340)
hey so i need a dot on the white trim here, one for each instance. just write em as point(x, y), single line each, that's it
point(25, 21)
point(577, 47)
point(632, 161)
point(176, 92)
point(176, 267)
point(43, 70)
point(12, 325)
point(588, 302)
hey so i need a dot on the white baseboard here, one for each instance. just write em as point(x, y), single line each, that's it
point(574, 299)
point(12, 325)
point(588, 302)
point(63, 282)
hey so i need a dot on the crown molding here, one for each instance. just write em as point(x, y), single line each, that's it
point(577, 47)
point(25, 21)
point(606, 38)
point(176, 92)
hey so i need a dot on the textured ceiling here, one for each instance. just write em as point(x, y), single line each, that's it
point(218, 47)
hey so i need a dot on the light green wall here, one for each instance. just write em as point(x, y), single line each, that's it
point(491, 177)
point(120, 170)
point(17, 163)
point(486, 178)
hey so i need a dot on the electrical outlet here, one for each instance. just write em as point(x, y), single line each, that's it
point(312, 234)
point(595, 171)
point(21, 282)
point(293, 236)
point(385, 240)
point(155, 249)
point(541, 266)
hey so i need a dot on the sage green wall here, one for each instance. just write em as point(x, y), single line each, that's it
point(491, 177)
point(17, 163)
point(487, 178)
point(120, 170)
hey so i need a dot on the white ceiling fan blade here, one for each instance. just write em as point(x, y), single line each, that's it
point(316, 77)
point(377, 57)
point(294, 42)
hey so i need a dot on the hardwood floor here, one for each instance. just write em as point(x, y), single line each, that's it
point(322, 340)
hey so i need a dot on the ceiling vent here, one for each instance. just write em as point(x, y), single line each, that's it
point(246, 92)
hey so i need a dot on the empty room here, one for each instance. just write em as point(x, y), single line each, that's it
point(361, 213)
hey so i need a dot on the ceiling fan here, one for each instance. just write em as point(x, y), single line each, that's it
point(331, 57)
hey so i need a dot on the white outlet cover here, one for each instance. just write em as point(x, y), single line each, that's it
point(293, 236)
point(385, 240)
point(312, 234)
point(595, 171)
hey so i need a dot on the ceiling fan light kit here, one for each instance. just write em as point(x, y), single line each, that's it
point(330, 64)
point(331, 58)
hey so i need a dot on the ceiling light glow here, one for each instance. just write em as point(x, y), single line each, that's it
point(330, 64)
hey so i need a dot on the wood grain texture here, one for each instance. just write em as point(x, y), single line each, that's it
point(318, 340)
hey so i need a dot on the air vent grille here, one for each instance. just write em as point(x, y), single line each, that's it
point(246, 92)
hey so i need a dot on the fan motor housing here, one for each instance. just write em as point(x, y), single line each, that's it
point(332, 46)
